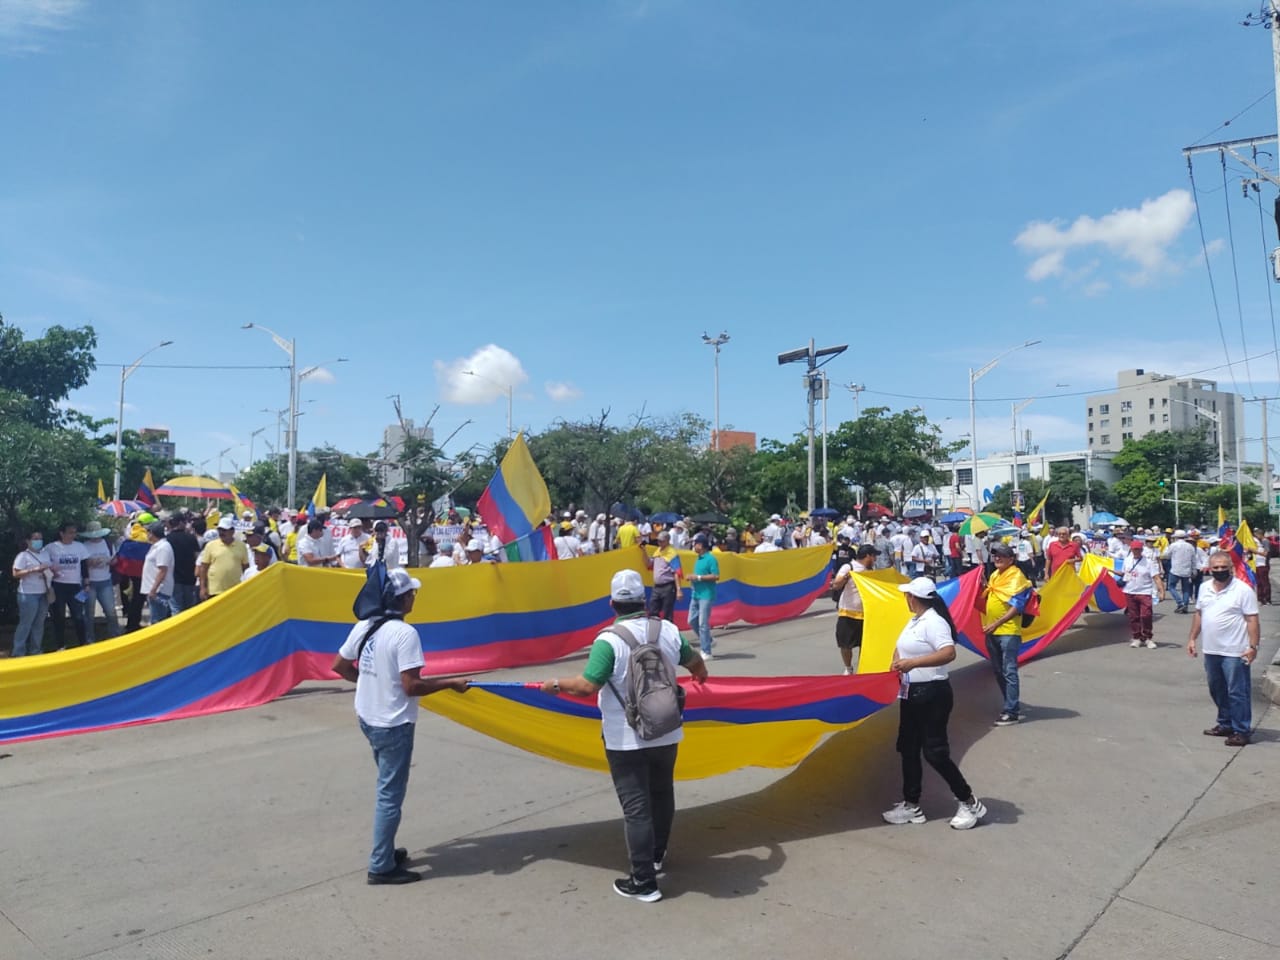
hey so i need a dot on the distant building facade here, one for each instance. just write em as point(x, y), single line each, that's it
point(160, 449)
point(391, 474)
point(1145, 403)
point(997, 472)
point(728, 439)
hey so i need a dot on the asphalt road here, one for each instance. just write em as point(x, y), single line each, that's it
point(1115, 830)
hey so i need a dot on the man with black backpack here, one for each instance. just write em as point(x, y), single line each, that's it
point(382, 656)
point(631, 668)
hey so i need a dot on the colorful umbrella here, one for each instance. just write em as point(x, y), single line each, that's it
point(198, 488)
point(345, 504)
point(980, 523)
point(121, 508)
point(875, 510)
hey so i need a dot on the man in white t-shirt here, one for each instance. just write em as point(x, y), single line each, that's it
point(567, 545)
point(67, 557)
point(849, 611)
point(642, 770)
point(1226, 623)
point(383, 658)
point(901, 545)
point(157, 574)
point(352, 545)
point(313, 546)
point(1143, 580)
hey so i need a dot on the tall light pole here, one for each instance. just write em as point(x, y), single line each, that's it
point(974, 377)
point(252, 436)
point(125, 373)
point(855, 389)
point(716, 342)
point(813, 383)
point(509, 388)
point(1222, 460)
point(291, 435)
point(1017, 409)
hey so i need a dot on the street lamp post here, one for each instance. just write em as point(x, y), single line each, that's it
point(291, 436)
point(125, 373)
point(252, 436)
point(1017, 409)
point(813, 383)
point(1222, 460)
point(974, 377)
point(509, 388)
point(716, 342)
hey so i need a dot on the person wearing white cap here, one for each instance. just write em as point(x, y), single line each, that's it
point(925, 647)
point(773, 529)
point(223, 561)
point(1141, 579)
point(679, 536)
point(383, 658)
point(597, 532)
point(642, 770)
point(352, 546)
point(100, 590)
point(1182, 567)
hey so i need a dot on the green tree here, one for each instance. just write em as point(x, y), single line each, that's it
point(347, 475)
point(265, 483)
point(1186, 451)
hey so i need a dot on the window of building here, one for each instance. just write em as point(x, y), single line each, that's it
point(1126, 421)
point(1126, 436)
point(1106, 440)
point(1151, 402)
point(964, 476)
point(1091, 426)
point(1104, 424)
point(1126, 405)
point(1152, 418)
point(1091, 441)
point(1090, 413)
point(1164, 401)
point(1104, 408)
point(1166, 418)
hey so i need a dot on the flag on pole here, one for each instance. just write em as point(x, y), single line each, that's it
point(1224, 525)
point(102, 494)
point(516, 502)
point(1036, 516)
point(146, 490)
point(242, 500)
point(319, 499)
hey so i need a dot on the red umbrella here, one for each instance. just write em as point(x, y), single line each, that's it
point(875, 510)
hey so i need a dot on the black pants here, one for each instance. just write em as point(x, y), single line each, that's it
point(133, 606)
point(645, 782)
point(64, 596)
point(662, 602)
point(922, 728)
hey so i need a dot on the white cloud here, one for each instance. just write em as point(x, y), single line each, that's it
point(562, 391)
point(1140, 237)
point(23, 21)
point(485, 375)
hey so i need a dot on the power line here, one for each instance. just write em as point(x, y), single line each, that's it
point(1213, 291)
point(200, 366)
point(1226, 123)
point(1235, 273)
point(1054, 396)
point(1266, 261)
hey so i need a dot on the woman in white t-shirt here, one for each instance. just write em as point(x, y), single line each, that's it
point(925, 647)
point(31, 570)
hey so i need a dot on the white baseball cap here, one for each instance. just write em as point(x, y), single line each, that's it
point(626, 587)
point(401, 583)
point(921, 587)
point(227, 522)
point(355, 522)
point(473, 544)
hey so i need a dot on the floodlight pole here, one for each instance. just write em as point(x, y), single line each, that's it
point(813, 383)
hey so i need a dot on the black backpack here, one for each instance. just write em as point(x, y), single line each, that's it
point(654, 704)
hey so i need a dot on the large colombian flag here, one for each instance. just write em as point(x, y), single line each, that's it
point(516, 502)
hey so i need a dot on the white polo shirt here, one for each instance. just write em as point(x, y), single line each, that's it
point(923, 635)
point(1222, 612)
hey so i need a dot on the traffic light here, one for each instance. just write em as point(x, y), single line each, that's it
point(1162, 483)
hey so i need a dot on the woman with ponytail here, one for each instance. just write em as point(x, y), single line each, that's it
point(925, 647)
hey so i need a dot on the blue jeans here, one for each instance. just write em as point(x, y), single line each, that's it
point(185, 596)
point(161, 607)
point(104, 593)
point(1003, 650)
point(1180, 587)
point(1229, 686)
point(700, 620)
point(392, 752)
point(29, 638)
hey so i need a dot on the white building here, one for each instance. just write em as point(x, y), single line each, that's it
point(1144, 403)
point(997, 471)
point(393, 441)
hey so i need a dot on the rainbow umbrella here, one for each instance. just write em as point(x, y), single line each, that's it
point(980, 523)
point(198, 488)
point(121, 508)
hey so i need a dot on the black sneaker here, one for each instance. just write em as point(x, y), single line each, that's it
point(1006, 720)
point(397, 876)
point(627, 887)
point(401, 855)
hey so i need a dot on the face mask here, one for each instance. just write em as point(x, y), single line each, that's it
point(37, 544)
point(1222, 576)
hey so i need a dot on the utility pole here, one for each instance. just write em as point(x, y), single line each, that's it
point(855, 389)
point(716, 342)
point(813, 383)
point(826, 390)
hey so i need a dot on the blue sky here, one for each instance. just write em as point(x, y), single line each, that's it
point(565, 195)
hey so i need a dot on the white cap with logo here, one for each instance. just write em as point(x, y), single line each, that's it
point(626, 587)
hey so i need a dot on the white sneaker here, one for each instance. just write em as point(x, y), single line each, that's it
point(708, 657)
point(903, 812)
point(1151, 644)
point(1135, 643)
point(968, 815)
point(848, 671)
